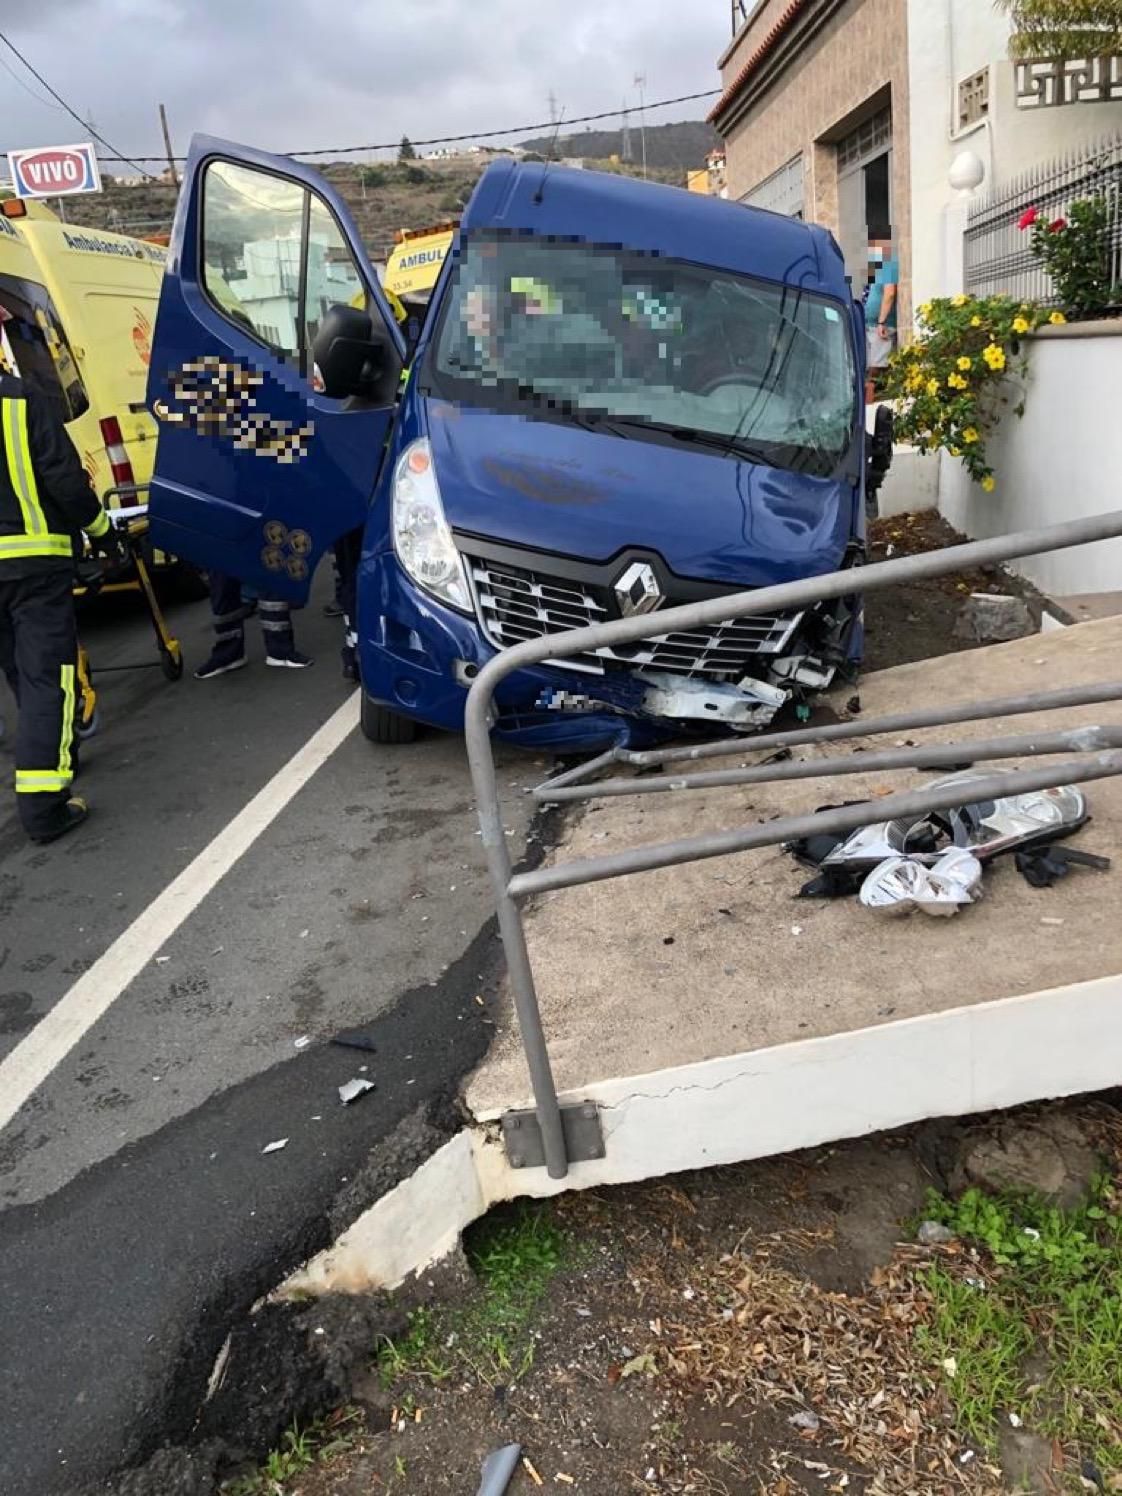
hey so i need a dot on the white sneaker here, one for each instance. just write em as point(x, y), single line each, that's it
point(293, 661)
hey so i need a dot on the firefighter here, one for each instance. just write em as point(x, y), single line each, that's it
point(45, 500)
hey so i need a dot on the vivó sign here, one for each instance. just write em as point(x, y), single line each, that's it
point(55, 171)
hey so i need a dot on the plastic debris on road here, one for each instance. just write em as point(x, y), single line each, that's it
point(353, 1089)
point(275, 1147)
point(900, 884)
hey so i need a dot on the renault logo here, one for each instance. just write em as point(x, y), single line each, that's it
point(637, 590)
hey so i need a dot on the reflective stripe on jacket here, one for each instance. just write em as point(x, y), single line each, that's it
point(45, 494)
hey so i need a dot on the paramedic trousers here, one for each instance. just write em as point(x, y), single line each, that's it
point(348, 552)
point(230, 611)
point(39, 656)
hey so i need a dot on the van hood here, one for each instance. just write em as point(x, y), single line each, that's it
point(590, 495)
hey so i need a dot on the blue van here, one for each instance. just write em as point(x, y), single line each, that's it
point(624, 396)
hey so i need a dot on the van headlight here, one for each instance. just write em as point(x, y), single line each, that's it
point(421, 536)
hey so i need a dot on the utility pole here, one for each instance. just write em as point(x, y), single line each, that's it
point(640, 84)
point(555, 117)
point(625, 141)
point(167, 143)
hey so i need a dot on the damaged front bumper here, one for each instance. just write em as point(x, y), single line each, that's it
point(419, 658)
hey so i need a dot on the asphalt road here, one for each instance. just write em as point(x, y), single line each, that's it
point(139, 1217)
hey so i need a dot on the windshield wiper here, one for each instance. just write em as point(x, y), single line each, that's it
point(723, 442)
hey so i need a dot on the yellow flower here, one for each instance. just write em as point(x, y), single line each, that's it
point(956, 451)
point(925, 310)
point(965, 363)
point(1057, 319)
point(956, 382)
point(975, 322)
point(932, 386)
point(989, 483)
point(914, 381)
point(970, 434)
point(1020, 324)
point(994, 355)
point(959, 300)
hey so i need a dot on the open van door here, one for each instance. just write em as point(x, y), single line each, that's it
point(263, 463)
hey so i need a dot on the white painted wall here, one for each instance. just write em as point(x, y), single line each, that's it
point(948, 40)
point(1061, 461)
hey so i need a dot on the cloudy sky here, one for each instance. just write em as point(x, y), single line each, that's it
point(291, 75)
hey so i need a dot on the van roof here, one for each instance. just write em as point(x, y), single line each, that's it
point(604, 208)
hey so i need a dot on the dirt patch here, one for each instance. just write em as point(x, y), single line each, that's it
point(916, 621)
point(752, 1329)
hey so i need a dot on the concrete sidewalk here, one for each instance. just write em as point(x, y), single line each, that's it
point(696, 962)
point(710, 1016)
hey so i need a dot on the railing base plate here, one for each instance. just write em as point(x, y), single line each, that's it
point(584, 1137)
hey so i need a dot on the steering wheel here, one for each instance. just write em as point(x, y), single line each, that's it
point(722, 380)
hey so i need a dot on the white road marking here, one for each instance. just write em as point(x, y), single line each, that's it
point(93, 994)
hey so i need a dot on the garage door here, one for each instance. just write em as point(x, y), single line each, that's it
point(782, 192)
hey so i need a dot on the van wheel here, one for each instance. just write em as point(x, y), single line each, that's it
point(380, 725)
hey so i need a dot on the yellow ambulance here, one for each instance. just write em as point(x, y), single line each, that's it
point(415, 262)
point(77, 309)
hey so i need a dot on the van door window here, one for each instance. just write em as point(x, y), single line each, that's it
point(333, 278)
point(252, 245)
point(35, 342)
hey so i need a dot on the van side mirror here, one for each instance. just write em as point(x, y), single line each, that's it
point(349, 355)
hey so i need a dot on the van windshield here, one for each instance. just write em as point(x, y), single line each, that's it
point(642, 346)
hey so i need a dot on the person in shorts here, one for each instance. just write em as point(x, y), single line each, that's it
point(880, 312)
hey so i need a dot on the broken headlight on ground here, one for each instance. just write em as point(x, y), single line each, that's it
point(985, 828)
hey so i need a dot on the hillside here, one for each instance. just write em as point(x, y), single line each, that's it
point(383, 196)
point(683, 145)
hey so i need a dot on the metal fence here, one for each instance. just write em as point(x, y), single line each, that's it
point(554, 1135)
point(998, 255)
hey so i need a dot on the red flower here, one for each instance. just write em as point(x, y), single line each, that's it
point(1028, 218)
point(1057, 226)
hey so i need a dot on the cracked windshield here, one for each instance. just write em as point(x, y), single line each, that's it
point(639, 343)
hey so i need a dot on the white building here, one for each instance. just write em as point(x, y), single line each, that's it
point(966, 95)
point(850, 112)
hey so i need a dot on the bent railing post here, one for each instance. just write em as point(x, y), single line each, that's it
point(788, 595)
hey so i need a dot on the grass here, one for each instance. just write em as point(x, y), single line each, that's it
point(301, 1447)
point(1039, 1334)
point(515, 1253)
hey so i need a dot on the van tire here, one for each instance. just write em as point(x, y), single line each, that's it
point(380, 725)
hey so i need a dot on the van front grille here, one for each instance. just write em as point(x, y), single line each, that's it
point(514, 604)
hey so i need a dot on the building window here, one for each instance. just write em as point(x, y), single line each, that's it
point(974, 99)
point(782, 192)
point(867, 140)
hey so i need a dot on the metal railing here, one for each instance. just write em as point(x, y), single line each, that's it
point(559, 1127)
point(998, 257)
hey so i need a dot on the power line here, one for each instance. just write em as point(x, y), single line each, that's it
point(73, 114)
point(28, 90)
point(392, 145)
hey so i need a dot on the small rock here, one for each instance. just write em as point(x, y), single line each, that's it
point(992, 618)
point(934, 1234)
point(807, 1420)
point(1051, 1157)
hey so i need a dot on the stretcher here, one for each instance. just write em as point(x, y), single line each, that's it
point(131, 524)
